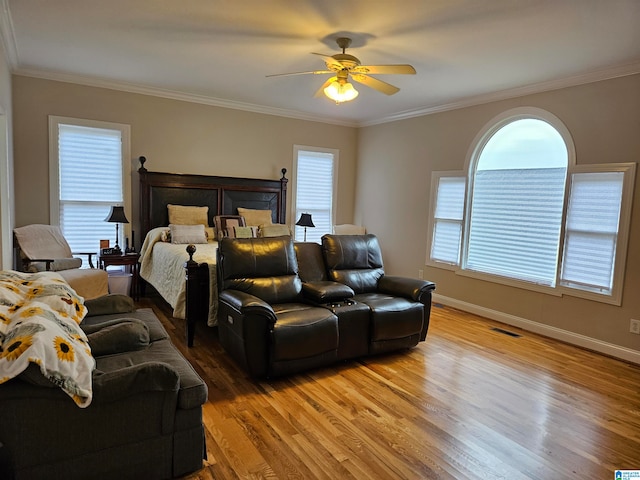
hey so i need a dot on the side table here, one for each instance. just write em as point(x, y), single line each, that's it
point(130, 260)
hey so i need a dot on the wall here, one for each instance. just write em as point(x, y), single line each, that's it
point(394, 165)
point(175, 136)
point(6, 165)
point(394, 175)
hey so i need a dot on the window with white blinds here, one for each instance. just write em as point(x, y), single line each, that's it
point(87, 168)
point(516, 207)
point(515, 222)
point(448, 218)
point(516, 211)
point(314, 191)
point(593, 228)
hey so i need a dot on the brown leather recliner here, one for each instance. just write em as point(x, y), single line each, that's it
point(400, 307)
point(280, 311)
point(264, 322)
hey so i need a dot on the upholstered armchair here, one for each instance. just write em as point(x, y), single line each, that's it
point(400, 307)
point(44, 248)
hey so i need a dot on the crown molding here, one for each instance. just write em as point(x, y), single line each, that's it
point(8, 36)
point(176, 95)
point(589, 77)
point(575, 80)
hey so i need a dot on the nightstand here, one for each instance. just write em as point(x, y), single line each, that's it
point(130, 260)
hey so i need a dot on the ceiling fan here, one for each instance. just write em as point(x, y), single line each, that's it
point(344, 65)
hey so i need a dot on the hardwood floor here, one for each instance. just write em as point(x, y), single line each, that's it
point(469, 403)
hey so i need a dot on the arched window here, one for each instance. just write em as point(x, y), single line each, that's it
point(523, 213)
point(516, 203)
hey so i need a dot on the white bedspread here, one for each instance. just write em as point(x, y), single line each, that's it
point(162, 265)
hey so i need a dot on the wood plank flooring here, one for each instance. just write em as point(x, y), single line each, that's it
point(469, 403)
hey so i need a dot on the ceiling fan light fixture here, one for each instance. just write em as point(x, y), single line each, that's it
point(341, 92)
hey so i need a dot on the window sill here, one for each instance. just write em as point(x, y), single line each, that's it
point(559, 291)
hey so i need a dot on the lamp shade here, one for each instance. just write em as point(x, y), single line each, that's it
point(305, 220)
point(341, 91)
point(116, 215)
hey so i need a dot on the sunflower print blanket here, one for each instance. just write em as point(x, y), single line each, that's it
point(40, 317)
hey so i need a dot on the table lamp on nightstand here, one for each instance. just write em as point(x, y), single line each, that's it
point(117, 216)
point(305, 221)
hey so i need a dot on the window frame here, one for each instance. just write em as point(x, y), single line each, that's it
point(54, 164)
point(559, 289)
point(622, 237)
point(435, 182)
point(294, 182)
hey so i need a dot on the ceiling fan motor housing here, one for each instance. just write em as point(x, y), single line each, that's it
point(347, 61)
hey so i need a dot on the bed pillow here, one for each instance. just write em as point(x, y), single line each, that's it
point(255, 217)
point(187, 215)
point(187, 234)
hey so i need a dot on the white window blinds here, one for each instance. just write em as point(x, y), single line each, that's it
point(591, 231)
point(448, 217)
point(517, 202)
point(515, 223)
point(509, 224)
point(314, 193)
point(90, 182)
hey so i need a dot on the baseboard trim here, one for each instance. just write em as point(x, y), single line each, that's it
point(576, 339)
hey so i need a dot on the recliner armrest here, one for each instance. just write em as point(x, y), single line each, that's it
point(326, 291)
point(405, 287)
point(246, 303)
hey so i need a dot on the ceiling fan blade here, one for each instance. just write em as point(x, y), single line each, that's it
point(376, 84)
point(385, 69)
point(320, 91)
point(314, 72)
point(330, 61)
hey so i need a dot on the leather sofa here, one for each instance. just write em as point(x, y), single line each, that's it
point(282, 310)
point(145, 419)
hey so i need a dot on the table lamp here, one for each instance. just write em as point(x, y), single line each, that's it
point(117, 216)
point(305, 221)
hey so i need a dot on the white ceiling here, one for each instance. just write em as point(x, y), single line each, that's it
point(220, 51)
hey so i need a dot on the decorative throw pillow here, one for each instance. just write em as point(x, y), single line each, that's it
point(255, 217)
point(224, 222)
point(229, 229)
point(274, 230)
point(165, 236)
point(187, 234)
point(187, 215)
point(210, 233)
point(127, 335)
point(244, 232)
point(108, 304)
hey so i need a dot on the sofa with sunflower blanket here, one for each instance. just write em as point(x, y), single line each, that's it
point(91, 389)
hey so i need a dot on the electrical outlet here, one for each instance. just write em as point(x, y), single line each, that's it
point(421, 274)
point(634, 326)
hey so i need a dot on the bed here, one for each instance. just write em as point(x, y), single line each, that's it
point(187, 279)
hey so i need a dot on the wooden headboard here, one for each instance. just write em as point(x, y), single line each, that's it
point(223, 195)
